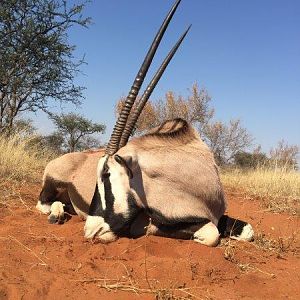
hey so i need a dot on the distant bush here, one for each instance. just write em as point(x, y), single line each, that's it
point(247, 160)
point(283, 157)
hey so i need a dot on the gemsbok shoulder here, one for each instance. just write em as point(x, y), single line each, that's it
point(169, 175)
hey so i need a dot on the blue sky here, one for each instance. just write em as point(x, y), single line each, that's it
point(245, 53)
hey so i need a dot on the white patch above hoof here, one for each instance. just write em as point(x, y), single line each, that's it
point(57, 208)
point(246, 235)
point(207, 235)
point(57, 213)
point(43, 208)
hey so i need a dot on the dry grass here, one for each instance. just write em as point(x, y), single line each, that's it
point(279, 246)
point(19, 161)
point(278, 189)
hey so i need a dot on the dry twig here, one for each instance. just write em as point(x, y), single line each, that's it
point(28, 249)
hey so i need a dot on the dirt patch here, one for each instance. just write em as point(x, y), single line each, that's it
point(43, 261)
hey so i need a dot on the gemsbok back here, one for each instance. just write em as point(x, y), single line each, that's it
point(169, 175)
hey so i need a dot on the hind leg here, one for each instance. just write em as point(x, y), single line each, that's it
point(55, 201)
point(207, 235)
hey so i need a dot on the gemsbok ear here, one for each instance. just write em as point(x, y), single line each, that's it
point(126, 162)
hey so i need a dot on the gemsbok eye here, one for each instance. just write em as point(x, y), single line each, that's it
point(122, 161)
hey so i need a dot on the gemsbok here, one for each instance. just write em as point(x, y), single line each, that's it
point(168, 175)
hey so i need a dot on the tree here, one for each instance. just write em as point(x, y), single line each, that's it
point(227, 140)
point(195, 109)
point(284, 156)
point(36, 60)
point(76, 131)
point(54, 142)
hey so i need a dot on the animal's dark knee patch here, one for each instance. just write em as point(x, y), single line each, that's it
point(47, 196)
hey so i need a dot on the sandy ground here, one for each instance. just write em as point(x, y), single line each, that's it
point(43, 261)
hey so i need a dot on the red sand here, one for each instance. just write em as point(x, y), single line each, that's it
point(43, 261)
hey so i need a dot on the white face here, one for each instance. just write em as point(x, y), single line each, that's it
point(113, 187)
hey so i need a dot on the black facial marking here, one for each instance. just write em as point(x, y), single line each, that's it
point(117, 222)
point(119, 159)
point(96, 208)
point(105, 171)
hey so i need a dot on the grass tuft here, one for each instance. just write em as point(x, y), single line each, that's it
point(279, 190)
point(20, 159)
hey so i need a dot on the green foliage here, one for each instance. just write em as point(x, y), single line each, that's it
point(247, 160)
point(76, 130)
point(283, 157)
point(36, 60)
point(52, 142)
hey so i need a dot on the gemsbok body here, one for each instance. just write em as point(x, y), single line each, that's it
point(168, 175)
point(68, 185)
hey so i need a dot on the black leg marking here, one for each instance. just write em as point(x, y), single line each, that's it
point(228, 226)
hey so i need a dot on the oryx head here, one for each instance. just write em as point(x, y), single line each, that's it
point(113, 205)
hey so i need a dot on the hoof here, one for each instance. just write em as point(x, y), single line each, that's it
point(52, 219)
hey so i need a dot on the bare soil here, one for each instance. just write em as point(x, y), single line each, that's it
point(43, 261)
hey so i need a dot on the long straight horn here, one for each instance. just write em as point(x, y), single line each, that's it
point(139, 108)
point(114, 141)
